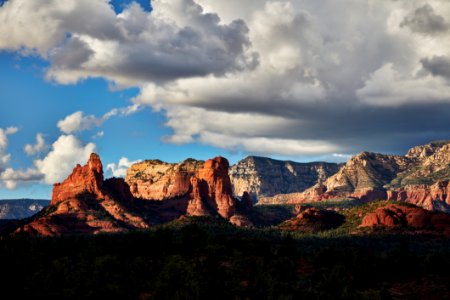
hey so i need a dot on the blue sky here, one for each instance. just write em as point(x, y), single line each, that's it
point(34, 104)
point(132, 80)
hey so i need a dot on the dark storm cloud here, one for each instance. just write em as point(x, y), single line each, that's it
point(270, 77)
point(437, 65)
point(425, 20)
point(72, 55)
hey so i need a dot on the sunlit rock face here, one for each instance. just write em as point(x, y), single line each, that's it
point(265, 177)
point(420, 177)
point(157, 180)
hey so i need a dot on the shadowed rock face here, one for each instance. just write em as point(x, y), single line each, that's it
point(312, 219)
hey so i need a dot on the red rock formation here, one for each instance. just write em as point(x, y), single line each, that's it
point(240, 221)
point(394, 215)
point(87, 179)
point(157, 180)
point(368, 195)
point(312, 219)
point(84, 203)
point(426, 196)
point(220, 196)
point(197, 205)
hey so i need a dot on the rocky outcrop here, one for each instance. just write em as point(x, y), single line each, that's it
point(431, 197)
point(157, 180)
point(85, 203)
point(420, 177)
point(206, 185)
point(394, 215)
point(219, 195)
point(265, 177)
point(198, 199)
point(83, 180)
point(211, 190)
point(364, 175)
point(240, 221)
point(311, 219)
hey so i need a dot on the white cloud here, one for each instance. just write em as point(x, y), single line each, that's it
point(120, 169)
point(77, 121)
point(98, 135)
point(39, 147)
point(12, 178)
point(263, 145)
point(389, 87)
point(8, 176)
point(66, 152)
point(254, 74)
point(177, 39)
point(4, 141)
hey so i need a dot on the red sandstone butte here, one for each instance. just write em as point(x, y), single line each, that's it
point(423, 195)
point(394, 215)
point(86, 179)
point(211, 189)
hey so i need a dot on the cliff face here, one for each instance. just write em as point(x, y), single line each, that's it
point(420, 177)
point(206, 185)
point(157, 180)
point(265, 177)
point(86, 203)
point(216, 192)
point(87, 179)
point(431, 197)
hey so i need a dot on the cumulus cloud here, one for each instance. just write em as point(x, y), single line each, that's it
point(39, 147)
point(4, 141)
point(12, 178)
point(77, 121)
point(67, 151)
point(315, 76)
point(425, 20)
point(120, 169)
point(389, 87)
point(176, 40)
point(9, 176)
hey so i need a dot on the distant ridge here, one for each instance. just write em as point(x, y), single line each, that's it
point(21, 208)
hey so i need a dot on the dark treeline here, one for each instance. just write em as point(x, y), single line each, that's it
point(204, 261)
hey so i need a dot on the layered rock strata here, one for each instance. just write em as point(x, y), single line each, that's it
point(265, 177)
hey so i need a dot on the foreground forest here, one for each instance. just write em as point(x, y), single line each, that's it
point(206, 258)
